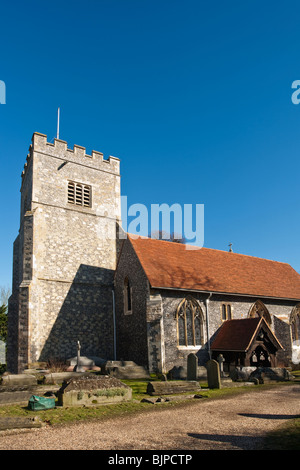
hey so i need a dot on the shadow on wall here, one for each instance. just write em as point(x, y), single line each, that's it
point(282, 331)
point(86, 315)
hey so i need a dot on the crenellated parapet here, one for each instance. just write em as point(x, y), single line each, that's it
point(65, 254)
point(59, 149)
point(27, 163)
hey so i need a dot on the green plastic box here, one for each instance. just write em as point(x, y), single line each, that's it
point(41, 403)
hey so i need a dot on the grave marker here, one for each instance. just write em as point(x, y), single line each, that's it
point(213, 374)
point(192, 364)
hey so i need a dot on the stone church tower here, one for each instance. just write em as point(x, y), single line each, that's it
point(64, 256)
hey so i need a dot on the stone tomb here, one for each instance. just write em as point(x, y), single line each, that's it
point(173, 387)
point(124, 370)
point(94, 390)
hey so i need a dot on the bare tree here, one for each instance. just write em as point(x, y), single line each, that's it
point(170, 237)
point(5, 293)
point(4, 296)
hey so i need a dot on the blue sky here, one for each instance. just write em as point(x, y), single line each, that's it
point(194, 98)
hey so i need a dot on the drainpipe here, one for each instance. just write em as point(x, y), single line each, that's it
point(207, 324)
point(114, 324)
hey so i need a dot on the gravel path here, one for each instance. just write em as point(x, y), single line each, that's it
point(235, 423)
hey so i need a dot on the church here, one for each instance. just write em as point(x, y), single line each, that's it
point(75, 278)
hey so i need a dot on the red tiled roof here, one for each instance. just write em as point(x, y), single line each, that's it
point(171, 265)
point(237, 335)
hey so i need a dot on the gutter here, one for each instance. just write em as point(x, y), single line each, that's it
point(114, 324)
point(227, 293)
point(207, 324)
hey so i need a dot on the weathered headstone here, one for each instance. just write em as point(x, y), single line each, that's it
point(213, 374)
point(192, 364)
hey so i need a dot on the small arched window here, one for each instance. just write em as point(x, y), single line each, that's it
point(127, 297)
point(189, 317)
point(226, 312)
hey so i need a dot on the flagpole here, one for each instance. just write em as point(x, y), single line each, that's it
point(58, 113)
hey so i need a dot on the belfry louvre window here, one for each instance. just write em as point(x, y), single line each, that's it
point(79, 194)
point(189, 318)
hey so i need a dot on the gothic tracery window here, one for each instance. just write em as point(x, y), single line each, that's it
point(260, 310)
point(189, 318)
point(295, 323)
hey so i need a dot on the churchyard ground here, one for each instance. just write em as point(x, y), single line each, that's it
point(283, 437)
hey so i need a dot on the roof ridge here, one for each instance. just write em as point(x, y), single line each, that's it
point(135, 237)
point(239, 319)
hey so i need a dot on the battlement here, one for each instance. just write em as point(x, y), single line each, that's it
point(59, 149)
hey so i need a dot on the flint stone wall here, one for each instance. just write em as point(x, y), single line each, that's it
point(64, 256)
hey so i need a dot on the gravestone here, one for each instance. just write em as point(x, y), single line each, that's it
point(213, 374)
point(192, 364)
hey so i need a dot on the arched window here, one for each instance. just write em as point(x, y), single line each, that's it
point(226, 311)
point(189, 317)
point(127, 297)
point(295, 323)
point(260, 310)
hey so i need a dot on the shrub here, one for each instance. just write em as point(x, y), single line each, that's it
point(57, 365)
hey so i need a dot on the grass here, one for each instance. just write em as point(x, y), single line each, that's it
point(287, 436)
point(67, 415)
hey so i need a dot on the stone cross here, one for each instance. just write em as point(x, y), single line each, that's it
point(78, 352)
point(221, 359)
point(78, 367)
